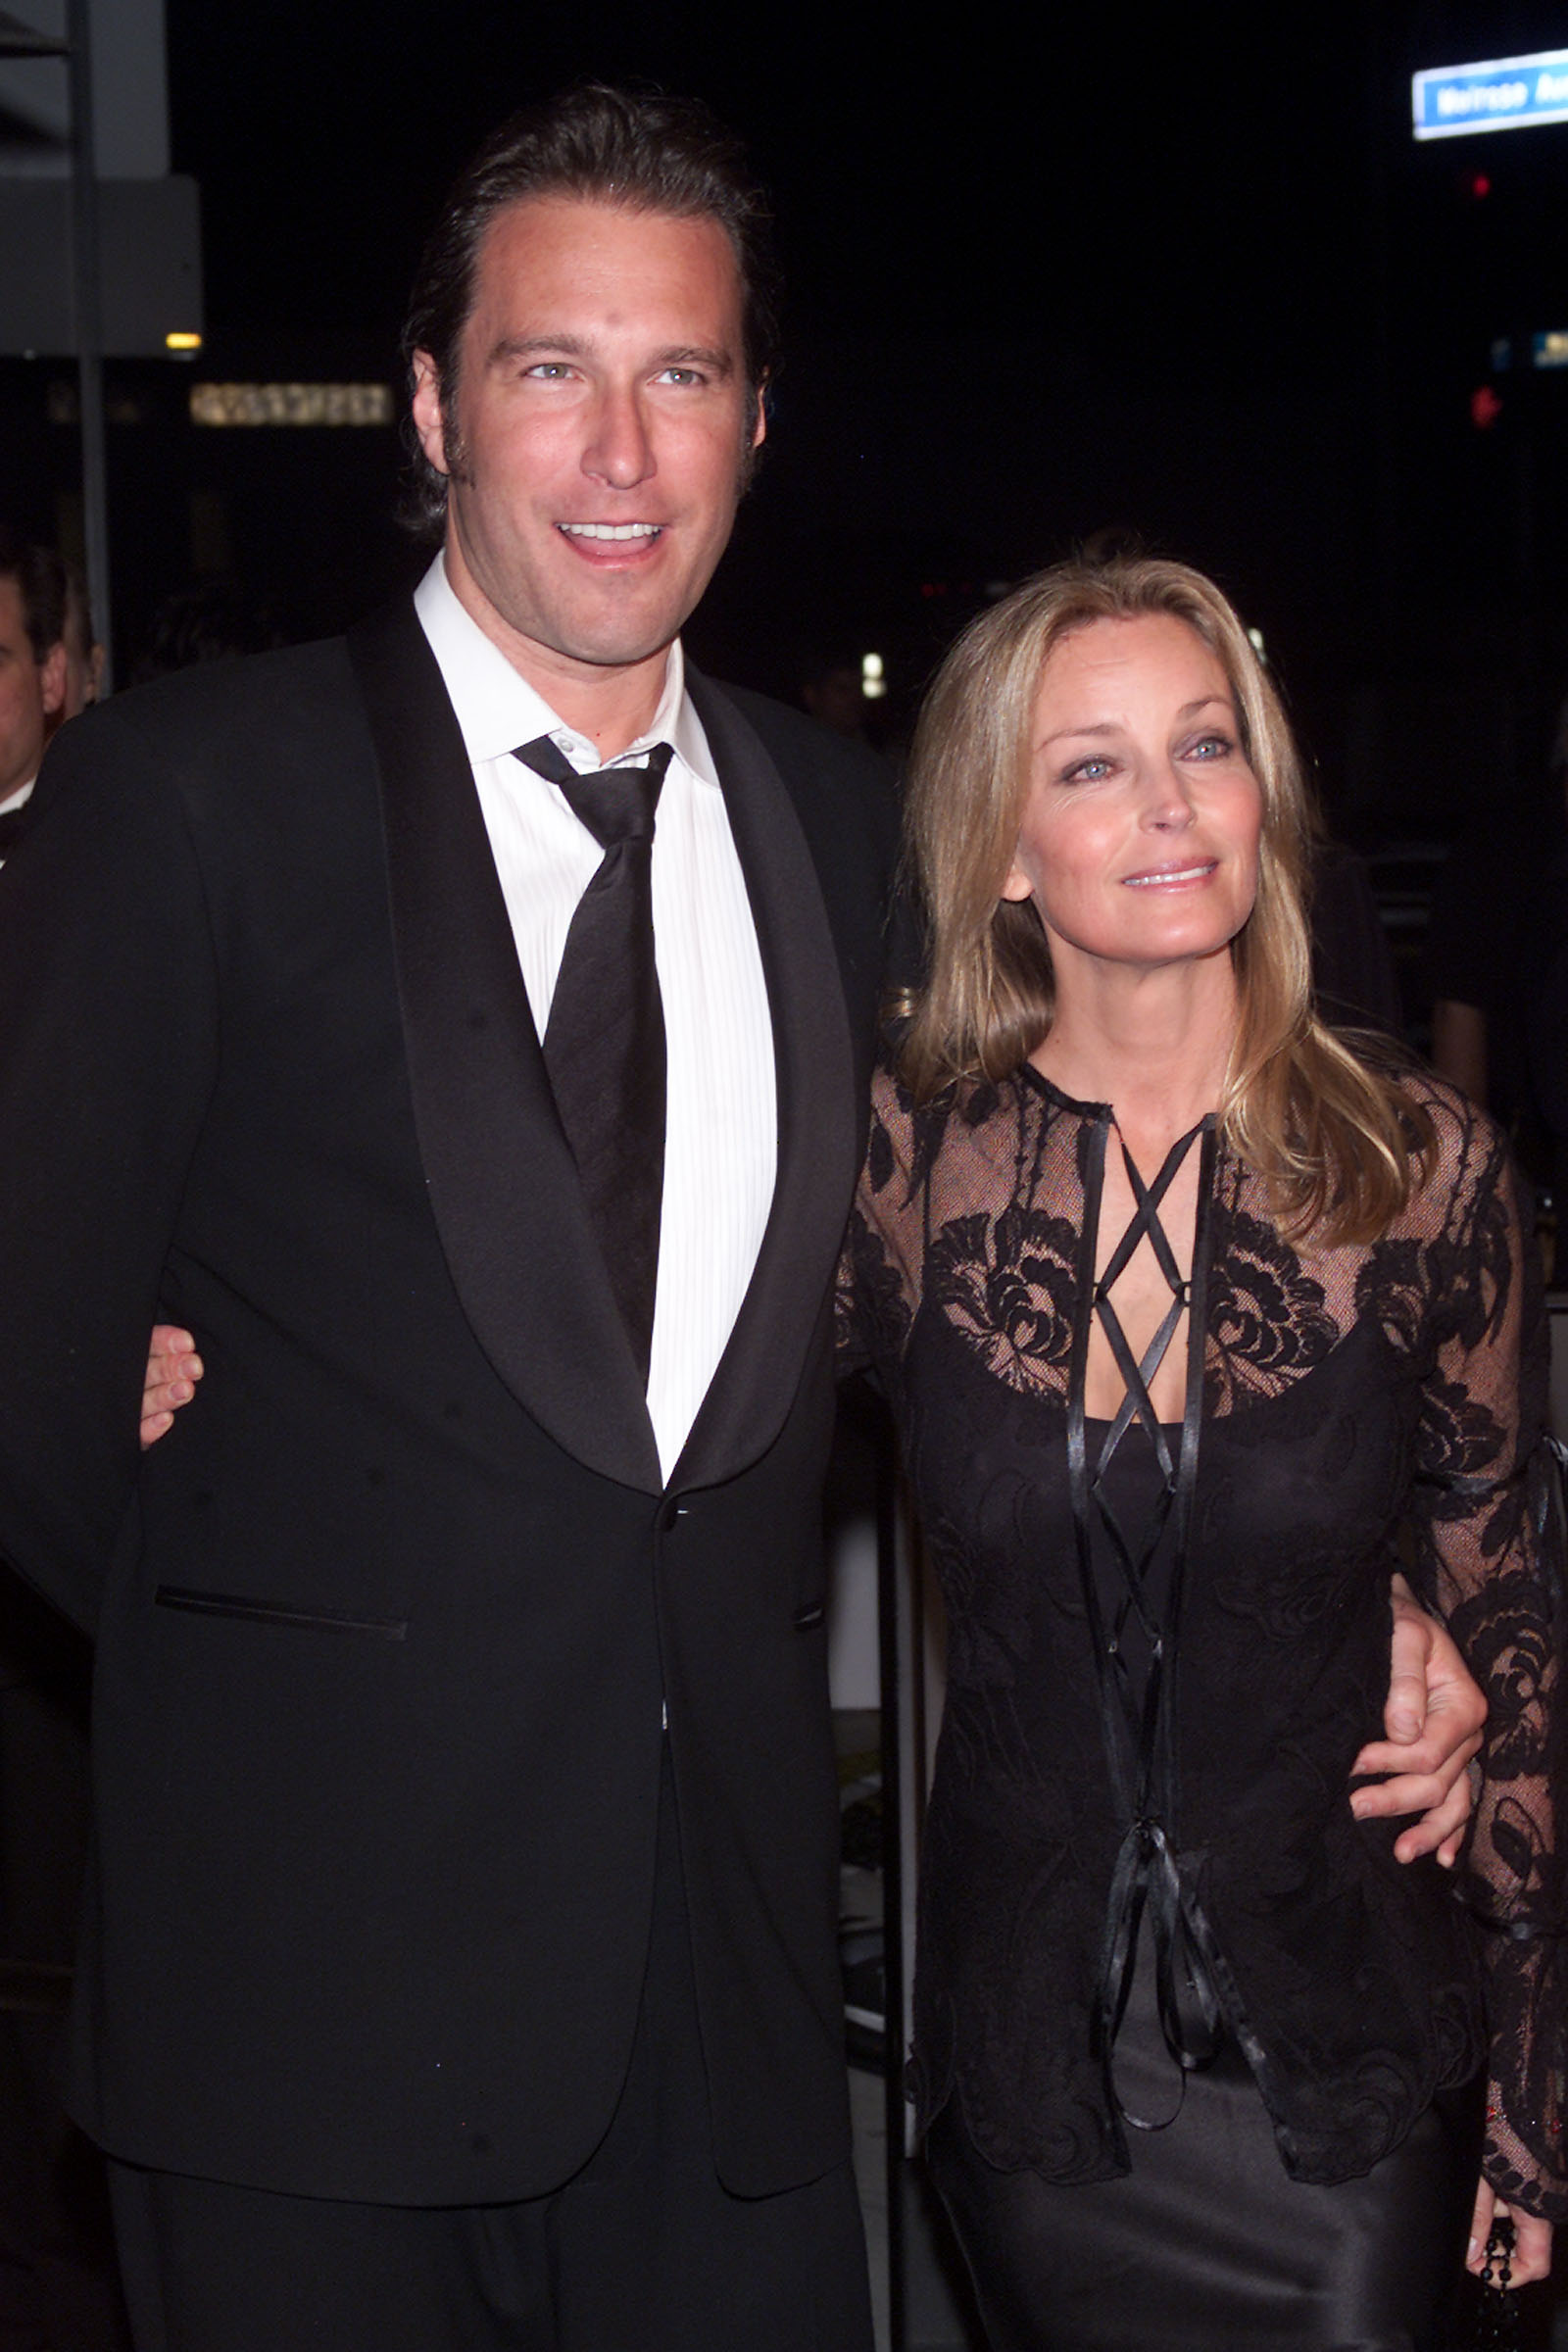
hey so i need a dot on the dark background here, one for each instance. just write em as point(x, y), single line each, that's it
point(1048, 272)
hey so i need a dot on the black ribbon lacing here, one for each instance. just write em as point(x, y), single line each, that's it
point(1139, 1730)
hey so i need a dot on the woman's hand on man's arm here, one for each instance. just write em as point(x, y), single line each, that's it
point(173, 1368)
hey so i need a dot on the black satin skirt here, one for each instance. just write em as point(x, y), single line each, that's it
point(1208, 2245)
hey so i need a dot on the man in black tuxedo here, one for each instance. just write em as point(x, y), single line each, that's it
point(460, 1952)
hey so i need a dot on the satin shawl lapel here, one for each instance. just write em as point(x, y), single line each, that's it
point(819, 1138)
point(503, 1185)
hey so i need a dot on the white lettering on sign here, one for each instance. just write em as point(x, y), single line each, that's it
point(291, 404)
point(1485, 98)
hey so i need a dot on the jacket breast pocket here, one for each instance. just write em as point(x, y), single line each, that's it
point(281, 1613)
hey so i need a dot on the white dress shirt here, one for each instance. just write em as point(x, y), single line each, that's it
point(721, 1111)
point(17, 799)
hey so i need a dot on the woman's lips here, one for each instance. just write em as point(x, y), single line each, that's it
point(1171, 876)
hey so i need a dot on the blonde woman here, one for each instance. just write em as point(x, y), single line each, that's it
point(1198, 1325)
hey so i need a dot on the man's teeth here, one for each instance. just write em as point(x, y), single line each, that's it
point(612, 530)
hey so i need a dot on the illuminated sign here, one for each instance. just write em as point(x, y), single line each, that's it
point(1448, 101)
point(290, 404)
point(1549, 349)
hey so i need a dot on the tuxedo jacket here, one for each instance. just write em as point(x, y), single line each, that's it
point(386, 1624)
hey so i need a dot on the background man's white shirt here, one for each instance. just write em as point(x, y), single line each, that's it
point(17, 799)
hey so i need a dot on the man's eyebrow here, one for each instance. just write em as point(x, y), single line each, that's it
point(717, 362)
point(524, 347)
point(698, 355)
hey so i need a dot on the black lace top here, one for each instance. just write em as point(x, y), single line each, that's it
point(1356, 1409)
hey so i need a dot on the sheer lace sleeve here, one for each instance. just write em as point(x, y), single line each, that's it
point(878, 1282)
point(1490, 1557)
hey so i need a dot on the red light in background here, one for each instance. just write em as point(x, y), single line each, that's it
point(1485, 409)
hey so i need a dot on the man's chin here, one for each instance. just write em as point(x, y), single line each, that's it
point(624, 641)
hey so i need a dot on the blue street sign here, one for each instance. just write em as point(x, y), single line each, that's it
point(1448, 101)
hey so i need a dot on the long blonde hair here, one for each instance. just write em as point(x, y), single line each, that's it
point(1332, 1133)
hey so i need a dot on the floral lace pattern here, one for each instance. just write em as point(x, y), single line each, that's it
point(1365, 1408)
point(1265, 1313)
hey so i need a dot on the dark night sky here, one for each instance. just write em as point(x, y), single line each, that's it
point(1076, 170)
point(1046, 271)
point(1159, 206)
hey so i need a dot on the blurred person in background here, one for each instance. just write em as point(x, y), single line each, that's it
point(32, 672)
point(207, 620)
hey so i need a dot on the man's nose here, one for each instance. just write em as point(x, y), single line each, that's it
point(619, 448)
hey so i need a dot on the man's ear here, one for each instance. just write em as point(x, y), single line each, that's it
point(429, 416)
point(52, 680)
point(760, 428)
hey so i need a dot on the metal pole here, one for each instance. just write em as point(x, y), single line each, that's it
point(86, 283)
point(898, 1858)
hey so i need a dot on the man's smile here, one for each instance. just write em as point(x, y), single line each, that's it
point(610, 531)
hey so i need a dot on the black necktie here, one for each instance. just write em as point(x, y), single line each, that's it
point(604, 1038)
point(13, 825)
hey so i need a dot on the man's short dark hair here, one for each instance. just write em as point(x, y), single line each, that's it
point(40, 578)
point(651, 153)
